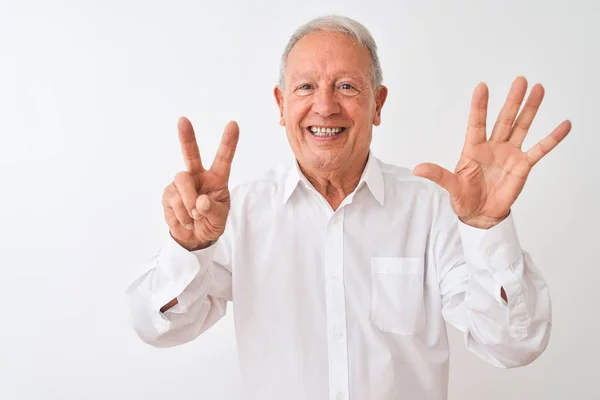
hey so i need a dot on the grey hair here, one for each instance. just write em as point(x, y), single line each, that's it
point(336, 23)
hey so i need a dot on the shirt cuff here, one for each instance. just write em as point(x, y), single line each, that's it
point(499, 251)
point(178, 267)
point(496, 247)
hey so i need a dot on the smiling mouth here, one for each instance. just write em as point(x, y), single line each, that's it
point(325, 131)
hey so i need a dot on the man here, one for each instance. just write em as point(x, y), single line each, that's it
point(343, 270)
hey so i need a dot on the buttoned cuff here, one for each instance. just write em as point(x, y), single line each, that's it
point(498, 251)
point(496, 247)
point(178, 267)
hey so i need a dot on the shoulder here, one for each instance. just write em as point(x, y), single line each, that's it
point(398, 177)
point(402, 186)
point(266, 186)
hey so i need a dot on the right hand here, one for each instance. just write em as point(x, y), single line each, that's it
point(196, 204)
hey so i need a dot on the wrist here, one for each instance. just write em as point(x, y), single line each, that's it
point(193, 245)
point(482, 221)
point(203, 245)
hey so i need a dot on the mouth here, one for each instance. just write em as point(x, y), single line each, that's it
point(325, 131)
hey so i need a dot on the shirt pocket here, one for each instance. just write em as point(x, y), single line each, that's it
point(397, 301)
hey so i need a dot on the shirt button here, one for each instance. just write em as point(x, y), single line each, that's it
point(335, 276)
point(337, 335)
point(491, 251)
point(340, 396)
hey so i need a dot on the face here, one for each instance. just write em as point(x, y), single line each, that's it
point(329, 105)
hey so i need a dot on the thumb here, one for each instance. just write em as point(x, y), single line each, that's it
point(439, 175)
point(212, 210)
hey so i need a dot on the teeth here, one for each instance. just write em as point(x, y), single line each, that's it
point(323, 132)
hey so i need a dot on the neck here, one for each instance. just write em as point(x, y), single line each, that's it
point(336, 185)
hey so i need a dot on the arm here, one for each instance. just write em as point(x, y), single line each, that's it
point(197, 282)
point(475, 245)
point(474, 266)
point(183, 290)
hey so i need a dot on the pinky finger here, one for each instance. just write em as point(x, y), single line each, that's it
point(173, 223)
point(544, 146)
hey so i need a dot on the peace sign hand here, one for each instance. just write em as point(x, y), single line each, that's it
point(196, 204)
point(491, 173)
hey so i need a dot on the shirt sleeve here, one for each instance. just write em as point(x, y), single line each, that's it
point(473, 266)
point(201, 282)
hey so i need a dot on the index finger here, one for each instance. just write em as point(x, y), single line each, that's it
point(189, 146)
point(224, 157)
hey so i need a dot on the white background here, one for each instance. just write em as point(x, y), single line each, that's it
point(90, 93)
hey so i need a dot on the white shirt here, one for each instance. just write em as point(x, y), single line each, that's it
point(351, 304)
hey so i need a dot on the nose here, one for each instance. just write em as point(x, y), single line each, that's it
point(325, 103)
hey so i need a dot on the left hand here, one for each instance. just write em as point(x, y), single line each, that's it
point(490, 174)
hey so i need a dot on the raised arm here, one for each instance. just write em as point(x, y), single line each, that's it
point(184, 288)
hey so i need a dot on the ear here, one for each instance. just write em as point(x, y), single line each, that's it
point(278, 93)
point(380, 96)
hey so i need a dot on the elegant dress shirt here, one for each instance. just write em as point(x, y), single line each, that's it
point(350, 304)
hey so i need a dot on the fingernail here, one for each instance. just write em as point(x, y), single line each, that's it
point(206, 204)
point(195, 214)
point(189, 227)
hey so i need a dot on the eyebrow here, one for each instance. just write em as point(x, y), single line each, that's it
point(308, 75)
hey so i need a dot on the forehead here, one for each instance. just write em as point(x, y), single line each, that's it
point(328, 54)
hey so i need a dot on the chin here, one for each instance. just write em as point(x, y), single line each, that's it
point(325, 161)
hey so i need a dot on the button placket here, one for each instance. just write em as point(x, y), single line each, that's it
point(336, 307)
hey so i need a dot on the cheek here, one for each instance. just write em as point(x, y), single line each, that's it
point(296, 110)
point(360, 112)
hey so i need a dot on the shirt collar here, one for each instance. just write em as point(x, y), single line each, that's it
point(371, 176)
point(294, 177)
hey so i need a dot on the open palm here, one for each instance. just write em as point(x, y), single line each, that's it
point(491, 174)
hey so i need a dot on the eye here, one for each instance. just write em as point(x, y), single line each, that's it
point(304, 87)
point(348, 89)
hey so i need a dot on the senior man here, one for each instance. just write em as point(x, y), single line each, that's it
point(343, 270)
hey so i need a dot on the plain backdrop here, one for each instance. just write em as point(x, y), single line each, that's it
point(90, 93)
